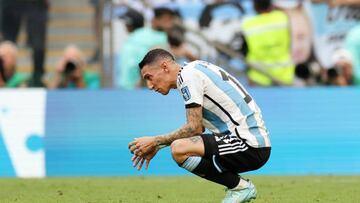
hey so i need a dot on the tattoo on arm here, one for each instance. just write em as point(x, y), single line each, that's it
point(191, 128)
point(195, 139)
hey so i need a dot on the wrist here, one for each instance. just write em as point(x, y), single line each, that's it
point(159, 143)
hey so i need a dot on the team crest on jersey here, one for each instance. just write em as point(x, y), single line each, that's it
point(186, 93)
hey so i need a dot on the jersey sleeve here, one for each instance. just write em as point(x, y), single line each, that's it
point(191, 87)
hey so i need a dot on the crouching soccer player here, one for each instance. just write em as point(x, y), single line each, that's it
point(217, 101)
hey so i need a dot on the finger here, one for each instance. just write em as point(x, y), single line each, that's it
point(131, 144)
point(141, 163)
point(133, 158)
point(139, 152)
point(137, 161)
point(132, 149)
point(138, 146)
point(147, 164)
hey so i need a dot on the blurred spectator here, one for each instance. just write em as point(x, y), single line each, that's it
point(265, 41)
point(132, 18)
point(176, 40)
point(139, 42)
point(96, 27)
point(221, 15)
point(300, 29)
point(330, 23)
point(220, 9)
point(352, 43)
point(341, 73)
point(310, 72)
point(35, 15)
point(335, 77)
point(71, 72)
point(8, 75)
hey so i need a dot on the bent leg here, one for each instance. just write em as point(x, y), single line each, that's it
point(181, 149)
point(189, 153)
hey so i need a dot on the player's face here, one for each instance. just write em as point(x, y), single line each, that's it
point(156, 77)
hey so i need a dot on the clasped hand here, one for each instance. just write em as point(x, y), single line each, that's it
point(144, 149)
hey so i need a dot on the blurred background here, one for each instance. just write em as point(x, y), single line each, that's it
point(97, 43)
point(300, 60)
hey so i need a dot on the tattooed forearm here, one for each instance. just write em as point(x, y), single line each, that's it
point(184, 132)
point(191, 128)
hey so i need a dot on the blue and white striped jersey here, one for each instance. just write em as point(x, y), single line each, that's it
point(227, 106)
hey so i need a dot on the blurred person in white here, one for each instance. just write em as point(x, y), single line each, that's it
point(71, 72)
point(310, 72)
point(139, 42)
point(221, 15)
point(225, 10)
point(9, 77)
point(341, 73)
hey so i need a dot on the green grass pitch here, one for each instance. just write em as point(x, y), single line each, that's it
point(182, 189)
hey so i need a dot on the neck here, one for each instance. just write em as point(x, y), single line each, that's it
point(177, 68)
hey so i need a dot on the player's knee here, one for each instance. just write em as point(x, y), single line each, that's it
point(177, 151)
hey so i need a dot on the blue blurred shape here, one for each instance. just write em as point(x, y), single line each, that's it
point(6, 167)
point(34, 143)
point(87, 132)
point(313, 130)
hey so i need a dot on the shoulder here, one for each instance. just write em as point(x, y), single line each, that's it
point(146, 34)
point(278, 12)
point(200, 69)
point(191, 69)
point(189, 72)
point(152, 34)
point(246, 20)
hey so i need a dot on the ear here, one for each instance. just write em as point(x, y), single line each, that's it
point(165, 66)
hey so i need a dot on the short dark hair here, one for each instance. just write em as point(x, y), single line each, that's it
point(153, 55)
point(131, 17)
point(262, 4)
point(160, 11)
